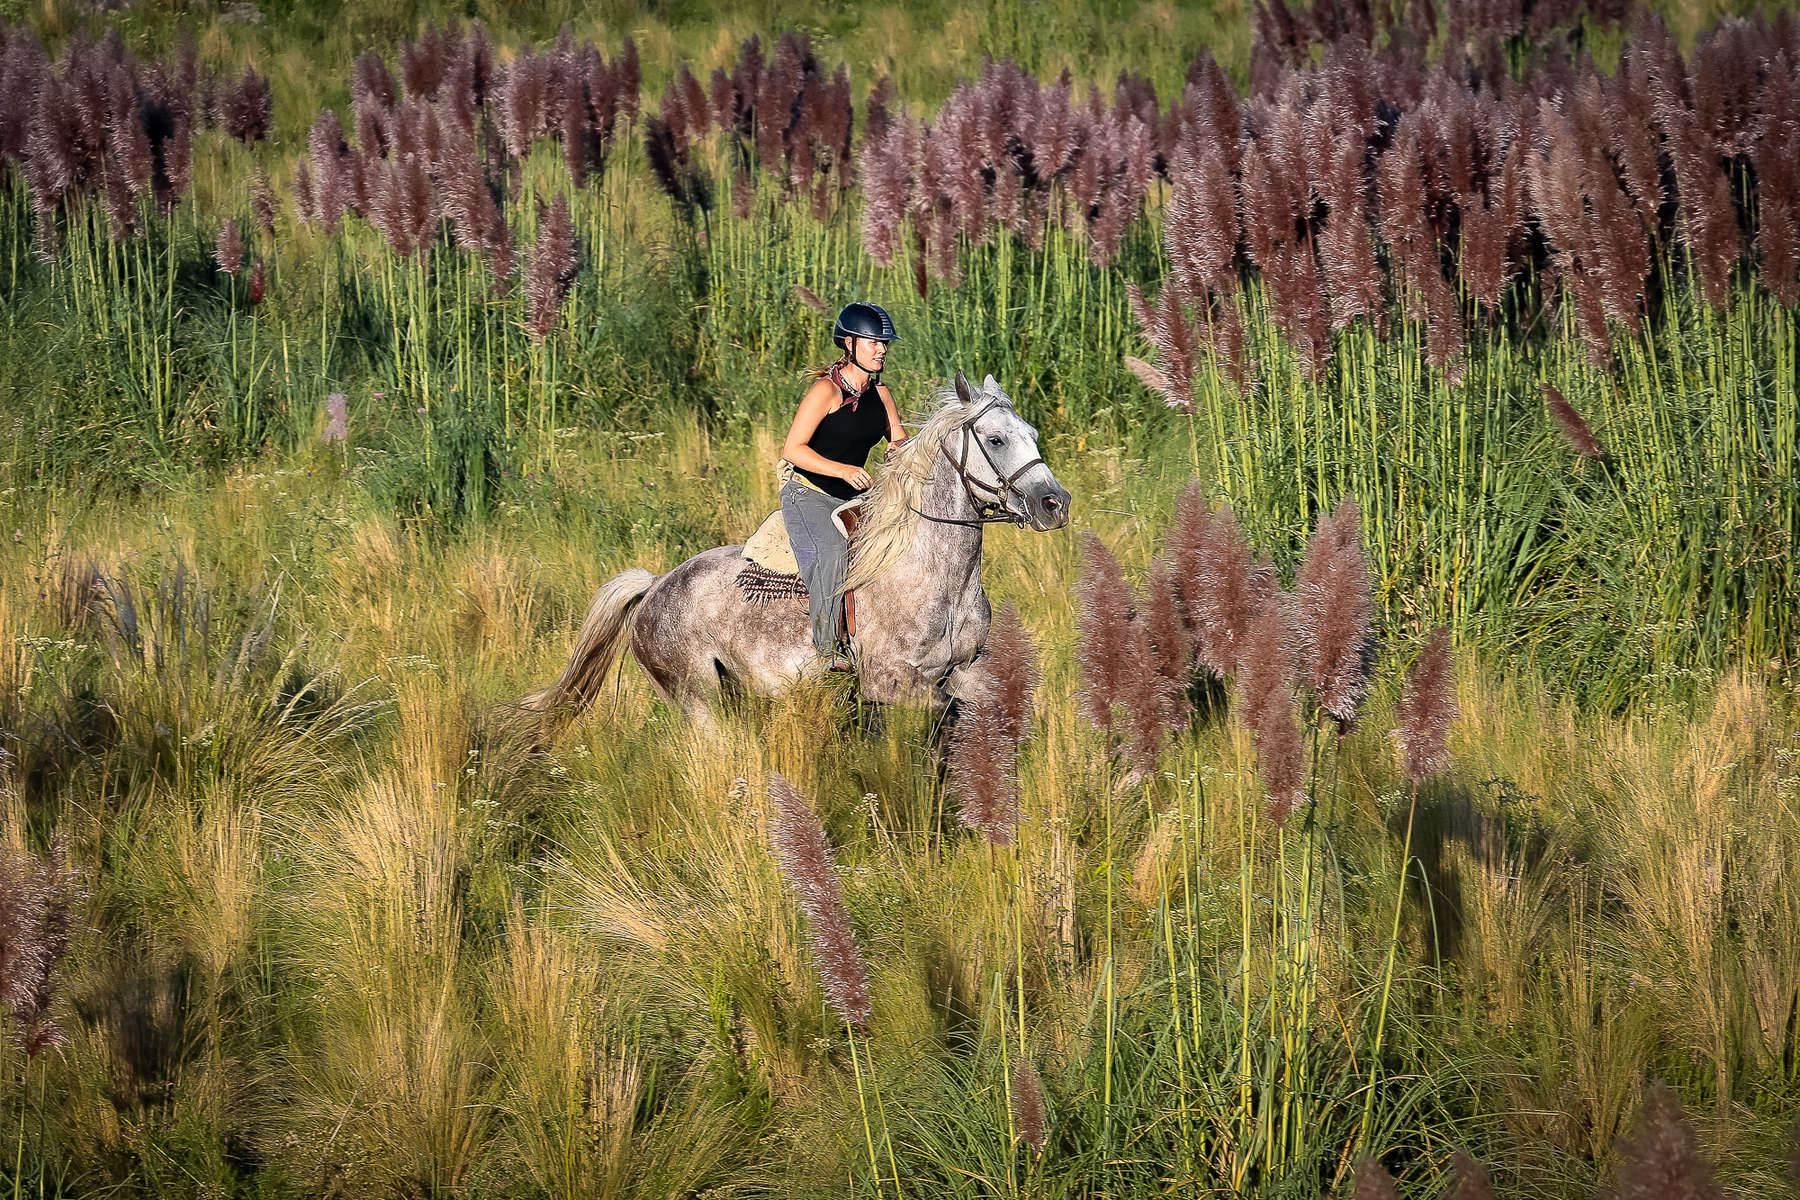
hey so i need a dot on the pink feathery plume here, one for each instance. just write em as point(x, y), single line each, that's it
point(1777, 159)
point(1266, 692)
point(1224, 591)
point(1104, 632)
point(1011, 663)
point(803, 853)
point(125, 132)
point(1335, 614)
point(327, 149)
point(337, 419)
point(983, 774)
point(1171, 645)
point(262, 202)
point(1030, 1113)
point(1471, 1178)
point(1426, 711)
point(1574, 430)
point(1660, 1159)
point(877, 111)
point(1371, 1180)
point(228, 251)
point(425, 62)
point(1167, 328)
point(306, 206)
point(1187, 540)
point(554, 261)
point(36, 921)
point(245, 109)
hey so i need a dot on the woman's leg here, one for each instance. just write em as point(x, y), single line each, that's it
point(822, 555)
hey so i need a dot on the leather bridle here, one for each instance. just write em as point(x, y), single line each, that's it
point(990, 509)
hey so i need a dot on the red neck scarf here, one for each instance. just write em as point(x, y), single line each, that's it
point(850, 396)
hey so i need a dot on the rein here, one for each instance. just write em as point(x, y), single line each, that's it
point(992, 509)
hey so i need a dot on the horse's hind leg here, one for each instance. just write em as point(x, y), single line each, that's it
point(685, 681)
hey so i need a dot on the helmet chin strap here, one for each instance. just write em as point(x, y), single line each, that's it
point(874, 376)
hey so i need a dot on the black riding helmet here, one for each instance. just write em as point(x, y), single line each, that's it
point(864, 320)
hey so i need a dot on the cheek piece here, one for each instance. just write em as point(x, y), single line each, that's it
point(988, 501)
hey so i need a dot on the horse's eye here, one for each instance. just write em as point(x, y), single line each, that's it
point(995, 439)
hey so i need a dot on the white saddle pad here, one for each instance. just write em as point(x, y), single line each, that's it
point(770, 549)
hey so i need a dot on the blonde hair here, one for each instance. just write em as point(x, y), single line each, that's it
point(819, 371)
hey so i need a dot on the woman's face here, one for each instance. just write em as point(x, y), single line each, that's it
point(868, 353)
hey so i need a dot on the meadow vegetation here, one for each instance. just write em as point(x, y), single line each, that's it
point(1388, 783)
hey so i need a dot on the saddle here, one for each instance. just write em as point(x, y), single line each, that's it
point(771, 571)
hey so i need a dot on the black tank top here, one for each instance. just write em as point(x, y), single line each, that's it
point(847, 435)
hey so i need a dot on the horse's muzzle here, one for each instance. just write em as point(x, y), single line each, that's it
point(1048, 507)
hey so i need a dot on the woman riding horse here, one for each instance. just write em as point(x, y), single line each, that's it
point(843, 414)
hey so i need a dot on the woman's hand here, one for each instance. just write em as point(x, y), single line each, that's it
point(856, 477)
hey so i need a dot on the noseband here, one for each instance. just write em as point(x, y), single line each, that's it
point(990, 508)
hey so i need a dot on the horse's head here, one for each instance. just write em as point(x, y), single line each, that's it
point(997, 452)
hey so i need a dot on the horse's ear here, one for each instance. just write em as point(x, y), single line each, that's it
point(991, 386)
point(963, 392)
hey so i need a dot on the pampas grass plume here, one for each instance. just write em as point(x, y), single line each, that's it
point(1223, 589)
point(228, 252)
point(1151, 378)
point(1426, 711)
point(1030, 1113)
point(1574, 429)
point(1104, 632)
point(1471, 1178)
point(1011, 663)
point(1335, 614)
point(37, 909)
point(803, 853)
point(1373, 1182)
point(1660, 1159)
point(984, 768)
point(554, 261)
point(1266, 690)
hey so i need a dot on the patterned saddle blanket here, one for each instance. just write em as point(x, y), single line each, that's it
point(771, 572)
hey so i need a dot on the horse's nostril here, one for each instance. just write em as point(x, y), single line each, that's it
point(1052, 502)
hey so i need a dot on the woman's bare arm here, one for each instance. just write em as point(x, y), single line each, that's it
point(813, 408)
point(896, 431)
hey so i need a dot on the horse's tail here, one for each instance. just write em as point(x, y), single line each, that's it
point(603, 636)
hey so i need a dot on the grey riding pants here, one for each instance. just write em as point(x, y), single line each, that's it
point(822, 554)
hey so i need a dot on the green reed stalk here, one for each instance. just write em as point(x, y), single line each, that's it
point(1387, 974)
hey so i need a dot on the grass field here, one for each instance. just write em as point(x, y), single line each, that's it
point(290, 903)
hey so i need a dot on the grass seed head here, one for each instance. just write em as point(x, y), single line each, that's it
point(1660, 1159)
point(1372, 1182)
point(804, 855)
point(1266, 694)
point(984, 767)
point(551, 271)
point(228, 250)
point(1011, 663)
point(1030, 1112)
point(1336, 614)
point(1104, 633)
point(1427, 710)
point(1574, 429)
point(1224, 591)
point(1471, 1178)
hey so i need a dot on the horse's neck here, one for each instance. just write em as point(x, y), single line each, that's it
point(943, 556)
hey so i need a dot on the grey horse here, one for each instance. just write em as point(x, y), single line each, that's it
point(921, 614)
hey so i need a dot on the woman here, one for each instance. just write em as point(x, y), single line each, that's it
point(843, 414)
